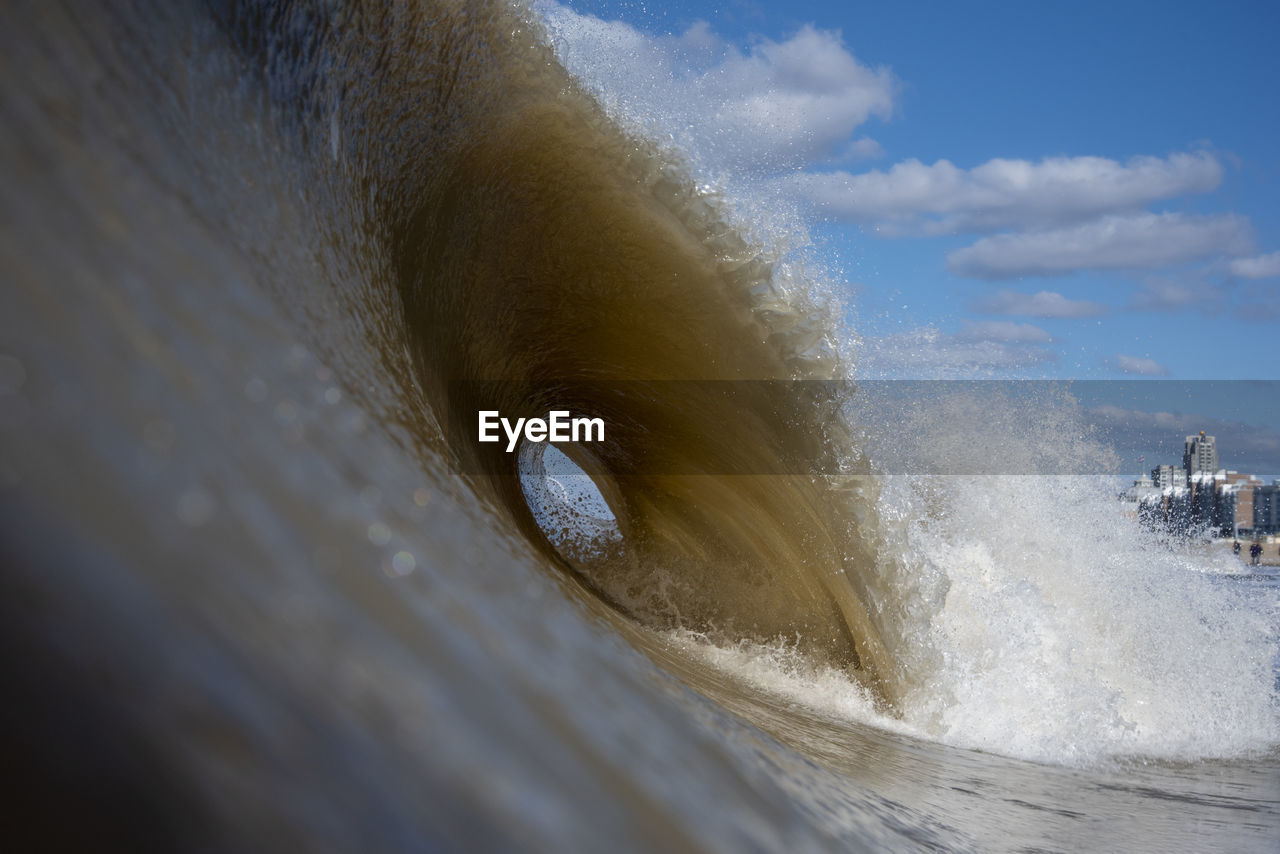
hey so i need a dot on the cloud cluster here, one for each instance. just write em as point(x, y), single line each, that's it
point(1142, 366)
point(1055, 216)
point(1139, 241)
point(779, 105)
point(915, 198)
point(999, 330)
point(1258, 267)
point(1171, 293)
point(1040, 304)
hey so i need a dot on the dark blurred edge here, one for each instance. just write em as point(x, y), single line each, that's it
point(80, 773)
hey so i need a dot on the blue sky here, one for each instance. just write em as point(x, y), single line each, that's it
point(1042, 190)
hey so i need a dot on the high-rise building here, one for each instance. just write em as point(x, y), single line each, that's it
point(1266, 509)
point(1233, 503)
point(1164, 476)
point(1200, 456)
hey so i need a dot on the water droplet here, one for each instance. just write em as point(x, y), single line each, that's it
point(379, 534)
point(403, 563)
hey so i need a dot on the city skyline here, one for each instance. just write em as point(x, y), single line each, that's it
point(1202, 497)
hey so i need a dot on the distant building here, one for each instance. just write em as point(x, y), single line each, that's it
point(1142, 489)
point(1200, 456)
point(1234, 511)
point(1202, 494)
point(1266, 509)
point(1199, 500)
point(1168, 476)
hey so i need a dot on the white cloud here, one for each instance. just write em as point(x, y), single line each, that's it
point(1110, 243)
point(914, 198)
point(1258, 267)
point(793, 102)
point(1170, 422)
point(1139, 365)
point(1039, 304)
point(1000, 330)
point(927, 352)
point(862, 148)
point(1171, 294)
point(779, 105)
